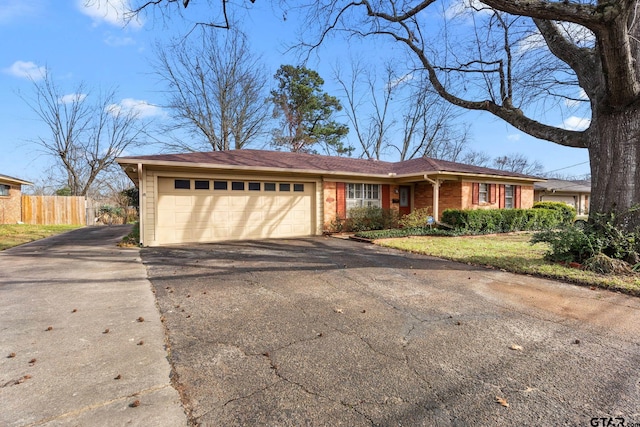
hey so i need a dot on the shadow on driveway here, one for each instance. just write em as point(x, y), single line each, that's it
point(324, 331)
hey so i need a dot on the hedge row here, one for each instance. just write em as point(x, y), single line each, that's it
point(404, 232)
point(503, 220)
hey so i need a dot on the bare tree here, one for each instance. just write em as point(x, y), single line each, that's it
point(476, 158)
point(373, 126)
point(217, 90)
point(430, 128)
point(400, 115)
point(87, 132)
point(516, 162)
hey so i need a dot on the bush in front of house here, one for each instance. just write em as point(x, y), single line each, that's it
point(415, 219)
point(370, 218)
point(409, 231)
point(568, 212)
point(501, 220)
point(596, 240)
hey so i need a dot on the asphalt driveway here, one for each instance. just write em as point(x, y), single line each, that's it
point(81, 342)
point(325, 332)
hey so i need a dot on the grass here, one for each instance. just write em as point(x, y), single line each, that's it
point(16, 234)
point(509, 252)
point(132, 239)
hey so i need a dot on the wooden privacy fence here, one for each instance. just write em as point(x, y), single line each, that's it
point(55, 210)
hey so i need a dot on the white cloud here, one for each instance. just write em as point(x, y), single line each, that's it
point(141, 108)
point(464, 8)
point(575, 123)
point(406, 78)
point(514, 137)
point(26, 70)
point(113, 12)
point(10, 10)
point(581, 98)
point(530, 42)
point(72, 97)
point(115, 41)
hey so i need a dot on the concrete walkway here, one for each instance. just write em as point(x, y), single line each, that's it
point(81, 341)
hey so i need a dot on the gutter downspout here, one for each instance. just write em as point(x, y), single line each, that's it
point(436, 196)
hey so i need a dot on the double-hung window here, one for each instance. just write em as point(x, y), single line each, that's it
point(363, 195)
point(483, 194)
point(508, 196)
point(4, 189)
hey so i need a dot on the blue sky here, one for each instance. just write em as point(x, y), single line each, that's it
point(89, 44)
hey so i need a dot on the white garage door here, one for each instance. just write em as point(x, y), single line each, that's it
point(210, 210)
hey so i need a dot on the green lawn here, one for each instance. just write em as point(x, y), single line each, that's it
point(509, 252)
point(17, 234)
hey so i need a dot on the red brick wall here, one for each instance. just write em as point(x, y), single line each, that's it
point(11, 206)
point(329, 203)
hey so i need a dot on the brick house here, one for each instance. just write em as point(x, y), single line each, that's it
point(254, 194)
point(11, 199)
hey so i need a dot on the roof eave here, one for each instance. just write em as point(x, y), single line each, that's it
point(242, 168)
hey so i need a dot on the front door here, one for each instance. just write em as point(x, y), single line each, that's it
point(405, 200)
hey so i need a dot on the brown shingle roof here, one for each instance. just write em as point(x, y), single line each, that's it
point(313, 162)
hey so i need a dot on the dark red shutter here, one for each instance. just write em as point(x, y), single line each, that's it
point(386, 194)
point(501, 196)
point(475, 193)
point(492, 193)
point(516, 196)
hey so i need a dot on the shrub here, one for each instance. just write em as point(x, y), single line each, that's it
point(404, 232)
point(568, 212)
point(600, 236)
point(417, 218)
point(569, 244)
point(501, 220)
point(367, 218)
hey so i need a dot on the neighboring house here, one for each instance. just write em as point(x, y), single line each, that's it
point(573, 193)
point(11, 199)
point(253, 194)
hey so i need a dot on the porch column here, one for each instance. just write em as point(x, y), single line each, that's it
point(436, 199)
point(436, 196)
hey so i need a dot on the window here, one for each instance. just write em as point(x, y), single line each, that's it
point(237, 185)
point(363, 195)
point(285, 187)
point(219, 185)
point(269, 186)
point(182, 184)
point(298, 187)
point(201, 185)
point(508, 196)
point(4, 189)
point(254, 186)
point(483, 195)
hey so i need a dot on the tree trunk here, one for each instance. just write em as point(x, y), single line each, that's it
point(614, 152)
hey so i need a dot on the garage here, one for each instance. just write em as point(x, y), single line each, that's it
point(218, 209)
point(569, 200)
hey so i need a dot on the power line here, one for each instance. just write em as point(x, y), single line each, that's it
point(568, 167)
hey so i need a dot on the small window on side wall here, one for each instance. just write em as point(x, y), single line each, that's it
point(182, 184)
point(4, 189)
